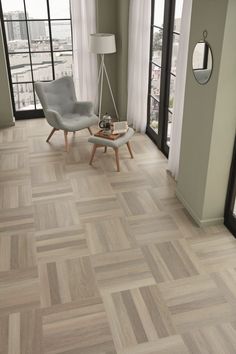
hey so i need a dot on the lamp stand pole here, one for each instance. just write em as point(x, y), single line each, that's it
point(102, 71)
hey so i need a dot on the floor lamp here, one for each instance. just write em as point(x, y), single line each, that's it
point(103, 43)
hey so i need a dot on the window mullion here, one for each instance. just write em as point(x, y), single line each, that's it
point(30, 55)
point(50, 37)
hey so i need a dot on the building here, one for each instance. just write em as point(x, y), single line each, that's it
point(37, 30)
point(15, 30)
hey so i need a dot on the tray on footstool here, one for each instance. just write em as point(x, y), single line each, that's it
point(115, 144)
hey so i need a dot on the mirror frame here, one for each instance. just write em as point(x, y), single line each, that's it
point(212, 58)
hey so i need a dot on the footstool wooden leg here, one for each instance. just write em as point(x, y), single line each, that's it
point(93, 153)
point(130, 150)
point(90, 131)
point(105, 149)
point(117, 159)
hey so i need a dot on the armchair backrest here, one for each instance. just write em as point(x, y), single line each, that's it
point(58, 95)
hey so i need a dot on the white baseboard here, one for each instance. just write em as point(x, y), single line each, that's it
point(199, 222)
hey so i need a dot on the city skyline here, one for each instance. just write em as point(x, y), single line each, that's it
point(38, 9)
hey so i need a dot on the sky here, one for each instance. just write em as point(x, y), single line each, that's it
point(38, 8)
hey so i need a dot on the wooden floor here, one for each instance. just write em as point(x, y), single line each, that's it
point(98, 262)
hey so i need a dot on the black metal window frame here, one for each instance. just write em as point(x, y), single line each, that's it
point(36, 113)
point(160, 139)
point(230, 218)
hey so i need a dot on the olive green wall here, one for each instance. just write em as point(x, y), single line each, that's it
point(6, 114)
point(122, 56)
point(224, 127)
point(112, 17)
point(209, 116)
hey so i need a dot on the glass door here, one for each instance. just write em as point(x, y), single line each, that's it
point(165, 34)
point(38, 44)
point(230, 207)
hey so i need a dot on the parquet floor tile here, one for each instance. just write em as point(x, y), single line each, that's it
point(15, 194)
point(79, 327)
point(171, 260)
point(21, 333)
point(17, 251)
point(98, 262)
point(67, 281)
point(19, 290)
point(121, 270)
point(138, 316)
point(215, 252)
point(16, 219)
point(109, 235)
point(196, 302)
point(168, 345)
point(212, 340)
point(152, 228)
point(95, 209)
point(55, 214)
point(61, 243)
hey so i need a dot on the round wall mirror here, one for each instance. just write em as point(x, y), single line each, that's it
point(202, 62)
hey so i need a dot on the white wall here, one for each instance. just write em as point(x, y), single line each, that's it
point(6, 114)
point(209, 116)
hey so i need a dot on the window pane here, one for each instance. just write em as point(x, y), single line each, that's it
point(13, 9)
point(159, 13)
point(178, 15)
point(172, 92)
point(170, 117)
point(20, 67)
point(16, 34)
point(39, 36)
point(156, 81)
point(175, 52)
point(63, 64)
point(154, 114)
point(61, 35)
point(42, 66)
point(23, 96)
point(157, 46)
point(59, 9)
point(38, 104)
point(36, 9)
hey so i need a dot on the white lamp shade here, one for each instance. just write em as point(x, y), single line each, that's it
point(102, 43)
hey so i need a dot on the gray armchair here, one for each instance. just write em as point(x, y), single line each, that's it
point(61, 109)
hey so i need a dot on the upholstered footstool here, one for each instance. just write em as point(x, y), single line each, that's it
point(114, 144)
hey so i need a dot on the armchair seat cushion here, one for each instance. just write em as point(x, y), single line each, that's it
point(73, 121)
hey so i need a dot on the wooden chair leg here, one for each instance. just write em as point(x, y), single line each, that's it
point(90, 131)
point(51, 134)
point(130, 150)
point(117, 159)
point(66, 140)
point(93, 154)
point(105, 149)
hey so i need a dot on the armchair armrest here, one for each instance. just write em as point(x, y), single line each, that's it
point(84, 108)
point(53, 118)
